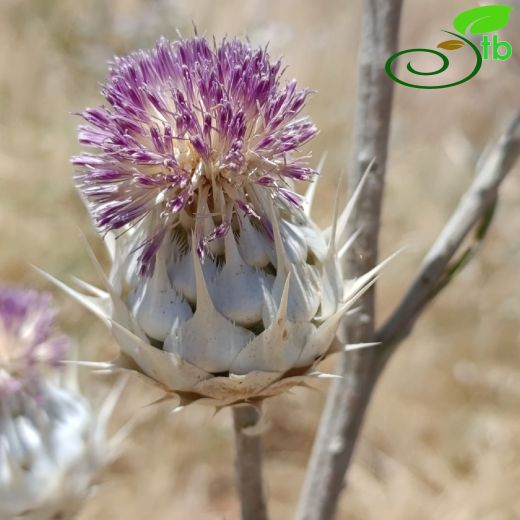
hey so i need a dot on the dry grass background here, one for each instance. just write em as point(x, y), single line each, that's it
point(442, 437)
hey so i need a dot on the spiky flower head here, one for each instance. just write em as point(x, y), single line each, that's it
point(52, 444)
point(222, 289)
point(194, 138)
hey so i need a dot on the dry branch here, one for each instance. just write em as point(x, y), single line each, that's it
point(349, 396)
point(475, 207)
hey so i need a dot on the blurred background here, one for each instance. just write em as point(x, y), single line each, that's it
point(442, 436)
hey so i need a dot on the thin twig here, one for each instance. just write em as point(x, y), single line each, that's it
point(473, 208)
point(348, 397)
point(474, 211)
point(249, 463)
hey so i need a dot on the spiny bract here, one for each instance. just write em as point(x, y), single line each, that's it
point(222, 289)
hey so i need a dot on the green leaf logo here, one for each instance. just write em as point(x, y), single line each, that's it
point(479, 20)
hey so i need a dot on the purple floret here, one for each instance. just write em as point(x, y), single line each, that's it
point(28, 340)
point(189, 119)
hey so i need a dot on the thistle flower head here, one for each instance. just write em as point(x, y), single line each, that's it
point(52, 443)
point(29, 344)
point(194, 138)
point(197, 154)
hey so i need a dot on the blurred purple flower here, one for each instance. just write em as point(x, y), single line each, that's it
point(53, 443)
point(194, 135)
point(29, 344)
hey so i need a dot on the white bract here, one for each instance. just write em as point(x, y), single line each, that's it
point(52, 447)
point(250, 321)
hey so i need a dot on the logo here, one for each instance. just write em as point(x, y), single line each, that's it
point(477, 21)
